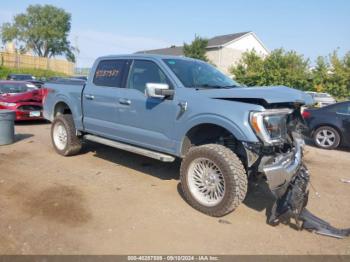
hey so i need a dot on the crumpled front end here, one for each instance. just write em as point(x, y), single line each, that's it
point(279, 154)
point(288, 179)
point(280, 169)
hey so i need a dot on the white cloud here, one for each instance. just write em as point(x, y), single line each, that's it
point(93, 44)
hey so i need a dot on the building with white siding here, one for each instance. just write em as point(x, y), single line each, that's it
point(224, 51)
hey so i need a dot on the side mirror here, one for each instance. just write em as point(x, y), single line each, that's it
point(158, 90)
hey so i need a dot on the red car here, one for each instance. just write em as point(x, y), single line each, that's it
point(22, 97)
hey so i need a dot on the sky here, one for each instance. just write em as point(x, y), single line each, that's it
point(310, 27)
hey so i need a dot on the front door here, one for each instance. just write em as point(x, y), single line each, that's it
point(343, 115)
point(147, 121)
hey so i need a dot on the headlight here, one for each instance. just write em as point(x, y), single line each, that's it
point(7, 104)
point(270, 125)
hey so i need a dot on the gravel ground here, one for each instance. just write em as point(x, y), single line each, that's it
point(107, 201)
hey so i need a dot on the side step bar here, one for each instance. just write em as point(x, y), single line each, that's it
point(130, 148)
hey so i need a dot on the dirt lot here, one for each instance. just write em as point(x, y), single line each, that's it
point(106, 201)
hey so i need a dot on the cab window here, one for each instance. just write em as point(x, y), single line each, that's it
point(110, 73)
point(143, 72)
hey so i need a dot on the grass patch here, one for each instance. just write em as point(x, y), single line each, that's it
point(38, 73)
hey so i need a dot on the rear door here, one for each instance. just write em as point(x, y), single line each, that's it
point(100, 97)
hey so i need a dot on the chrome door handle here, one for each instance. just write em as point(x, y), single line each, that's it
point(89, 97)
point(124, 101)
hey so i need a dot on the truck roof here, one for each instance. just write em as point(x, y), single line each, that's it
point(131, 56)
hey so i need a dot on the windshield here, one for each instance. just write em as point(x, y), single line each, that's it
point(13, 88)
point(322, 95)
point(197, 74)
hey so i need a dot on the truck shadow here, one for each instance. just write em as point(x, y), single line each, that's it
point(258, 198)
point(148, 166)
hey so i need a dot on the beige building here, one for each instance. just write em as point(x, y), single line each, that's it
point(224, 50)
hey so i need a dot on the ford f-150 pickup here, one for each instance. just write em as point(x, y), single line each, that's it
point(168, 107)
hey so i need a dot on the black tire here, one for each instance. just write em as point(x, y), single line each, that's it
point(233, 171)
point(73, 143)
point(330, 130)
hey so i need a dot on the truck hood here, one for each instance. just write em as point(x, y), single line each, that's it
point(270, 95)
point(31, 96)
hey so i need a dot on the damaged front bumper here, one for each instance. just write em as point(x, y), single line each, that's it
point(279, 170)
point(288, 180)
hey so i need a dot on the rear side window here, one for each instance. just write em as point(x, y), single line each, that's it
point(343, 108)
point(110, 73)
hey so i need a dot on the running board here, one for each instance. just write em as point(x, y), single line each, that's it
point(130, 148)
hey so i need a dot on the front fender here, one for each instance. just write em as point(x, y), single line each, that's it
point(241, 132)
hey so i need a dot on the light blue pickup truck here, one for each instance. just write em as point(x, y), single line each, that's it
point(171, 108)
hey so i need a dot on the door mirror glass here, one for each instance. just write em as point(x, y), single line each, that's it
point(158, 90)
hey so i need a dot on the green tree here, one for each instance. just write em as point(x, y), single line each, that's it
point(332, 75)
point(278, 68)
point(320, 74)
point(250, 70)
point(43, 29)
point(339, 78)
point(346, 62)
point(196, 49)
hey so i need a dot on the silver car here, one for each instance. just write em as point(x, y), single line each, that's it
point(322, 99)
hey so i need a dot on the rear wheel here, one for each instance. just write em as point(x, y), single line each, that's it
point(326, 137)
point(63, 136)
point(213, 179)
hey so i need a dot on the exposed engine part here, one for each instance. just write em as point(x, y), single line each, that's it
point(292, 206)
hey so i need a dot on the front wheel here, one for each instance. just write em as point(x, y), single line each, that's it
point(63, 136)
point(213, 179)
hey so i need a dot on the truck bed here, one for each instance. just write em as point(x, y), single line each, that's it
point(68, 92)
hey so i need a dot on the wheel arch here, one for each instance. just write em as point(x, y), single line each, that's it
point(208, 133)
point(61, 108)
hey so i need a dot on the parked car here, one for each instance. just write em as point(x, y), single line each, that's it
point(329, 126)
point(23, 98)
point(15, 87)
point(20, 77)
point(27, 78)
point(167, 107)
point(80, 77)
point(322, 99)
